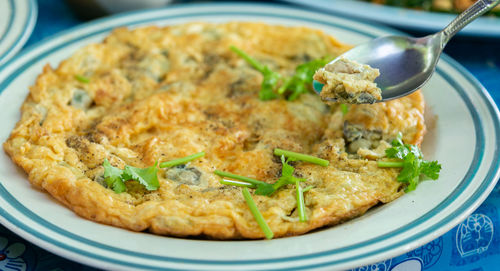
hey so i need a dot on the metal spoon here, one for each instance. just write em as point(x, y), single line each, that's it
point(407, 63)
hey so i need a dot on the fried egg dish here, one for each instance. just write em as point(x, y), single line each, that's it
point(153, 94)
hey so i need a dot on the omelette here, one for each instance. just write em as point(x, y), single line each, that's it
point(154, 94)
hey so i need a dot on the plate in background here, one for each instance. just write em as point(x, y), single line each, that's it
point(461, 104)
point(17, 20)
point(487, 26)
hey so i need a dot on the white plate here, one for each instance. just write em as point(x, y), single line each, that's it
point(488, 26)
point(17, 19)
point(464, 140)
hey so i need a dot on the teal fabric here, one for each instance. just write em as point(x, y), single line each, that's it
point(472, 245)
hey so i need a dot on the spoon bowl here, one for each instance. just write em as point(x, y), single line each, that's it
point(407, 63)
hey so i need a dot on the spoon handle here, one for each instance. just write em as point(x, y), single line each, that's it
point(474, 11)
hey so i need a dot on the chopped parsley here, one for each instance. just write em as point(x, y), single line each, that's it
point(115, 177)
point(271, 79)
point(266, 189)
point(302, 80)
point(146, 176)
point(82, 79)
point(262, 188)
point(257, 214)
point(286, 175)
point(344, 108)
point(237, 183)
point(307, 188)
point(301, 206)
point(302, 157)
point(183, 160)
point(411, 160)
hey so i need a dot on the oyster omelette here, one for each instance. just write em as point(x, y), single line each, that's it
point(154, 94)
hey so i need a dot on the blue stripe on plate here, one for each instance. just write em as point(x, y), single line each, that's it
point(479, 150)
point(11, 19)
point(27, 28)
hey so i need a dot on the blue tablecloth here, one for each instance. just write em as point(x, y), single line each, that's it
point(472, 245)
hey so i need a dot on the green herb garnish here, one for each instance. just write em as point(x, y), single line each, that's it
point(302, 157)
point(115, 178)
point(410, 159)
point(263, 188)
point(257, 214)
point(301, 206)
point(286, 174)
point(270, 80)
point(182, 160)
point(146, 176)
point(302, 80)
point(266, 189)
point(307, 188)
point(82, 79)
point(237, 183)
point(344, 108)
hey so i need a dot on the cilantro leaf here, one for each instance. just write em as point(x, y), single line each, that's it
point(302, 80)
point(301, 206)
point(344, 108)
point(115, 178)
point(286, 169)
point(269, 83)
point(112, 177)
point(82, 79)
point(145, 176)
point(181, 161)
point(287, 174)
point(397, 152)
point(257, 214)
point(411, 168)
point(431, 169)
point(265, 189)
point(117, 184)
point(410, 159)
point(270, 80)
point(287, 177)
point(301, 157)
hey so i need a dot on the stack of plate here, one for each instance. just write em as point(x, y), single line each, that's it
point(17, 19)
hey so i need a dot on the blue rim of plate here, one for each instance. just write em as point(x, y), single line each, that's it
point(28, 26)
point(11, 20)
point(466, 208)
point(410, 19)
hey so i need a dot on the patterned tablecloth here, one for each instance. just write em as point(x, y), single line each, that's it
point(473, 245)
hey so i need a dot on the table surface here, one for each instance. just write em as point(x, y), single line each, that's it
point(480, 56)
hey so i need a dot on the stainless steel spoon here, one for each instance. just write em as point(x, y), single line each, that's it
point(407, 63)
